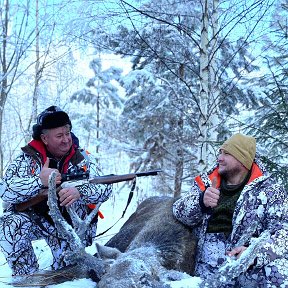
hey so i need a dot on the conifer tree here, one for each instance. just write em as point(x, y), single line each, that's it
point(270, 122)
point(167, 119)
point(102, 100)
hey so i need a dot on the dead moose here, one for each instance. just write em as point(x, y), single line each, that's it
point(150, 247)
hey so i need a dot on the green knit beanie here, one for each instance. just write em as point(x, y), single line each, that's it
point(241, 147)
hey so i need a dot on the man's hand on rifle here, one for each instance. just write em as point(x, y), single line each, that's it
point(45, 173)
point(67, 196)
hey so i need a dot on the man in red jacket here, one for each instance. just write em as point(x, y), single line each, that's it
point(53, 148)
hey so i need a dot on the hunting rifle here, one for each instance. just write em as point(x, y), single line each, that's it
point(81, 178)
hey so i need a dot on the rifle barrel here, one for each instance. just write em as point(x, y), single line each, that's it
point(110, 179)
point(148, 173)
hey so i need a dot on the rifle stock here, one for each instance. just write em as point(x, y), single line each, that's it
point(43, 194)
point(106, 179)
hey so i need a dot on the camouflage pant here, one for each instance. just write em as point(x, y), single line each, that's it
point(273, 275)
point(18, 230)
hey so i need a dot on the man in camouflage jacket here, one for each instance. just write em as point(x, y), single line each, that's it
point(232, 207)
point(53, 148)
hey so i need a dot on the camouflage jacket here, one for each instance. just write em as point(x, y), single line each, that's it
point(21, 181)
point(261, 207)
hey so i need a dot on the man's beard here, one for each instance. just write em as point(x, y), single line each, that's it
point(229, 174)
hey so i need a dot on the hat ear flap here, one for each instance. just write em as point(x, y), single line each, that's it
point(37, 130)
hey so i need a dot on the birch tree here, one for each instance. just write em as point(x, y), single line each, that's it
point(204, 82)
point(167, 47)
point(209, 91)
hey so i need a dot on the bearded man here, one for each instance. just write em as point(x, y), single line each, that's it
point(231, 204)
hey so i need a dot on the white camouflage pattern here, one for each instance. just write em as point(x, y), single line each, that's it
point(262, 206)
point(17, 230)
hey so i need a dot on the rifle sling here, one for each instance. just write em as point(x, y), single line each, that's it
point(130, 196)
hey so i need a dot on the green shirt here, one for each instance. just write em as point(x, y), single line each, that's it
point(221, 218)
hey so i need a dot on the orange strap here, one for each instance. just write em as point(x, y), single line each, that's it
point(200, 183)
point(93, 206)
point(215, 174)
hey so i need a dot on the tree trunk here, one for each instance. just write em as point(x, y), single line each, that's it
point(179, 163)
point(37, 65)
point(209, 91)
point(204, 87)
point(4, 74)
point(37, 73)
point(214, 92)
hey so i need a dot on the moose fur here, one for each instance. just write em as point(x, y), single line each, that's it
point(153, 246)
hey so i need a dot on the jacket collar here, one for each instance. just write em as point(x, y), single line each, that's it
point(256, 172)
point(40, 148)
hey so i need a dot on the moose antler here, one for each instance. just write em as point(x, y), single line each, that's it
point(81, 263)
point(80, 226)
point(74, 235)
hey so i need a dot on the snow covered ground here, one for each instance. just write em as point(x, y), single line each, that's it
point(112, 210)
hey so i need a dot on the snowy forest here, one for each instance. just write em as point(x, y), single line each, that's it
point(148, 84)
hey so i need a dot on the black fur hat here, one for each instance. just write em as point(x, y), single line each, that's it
point(52, 117)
